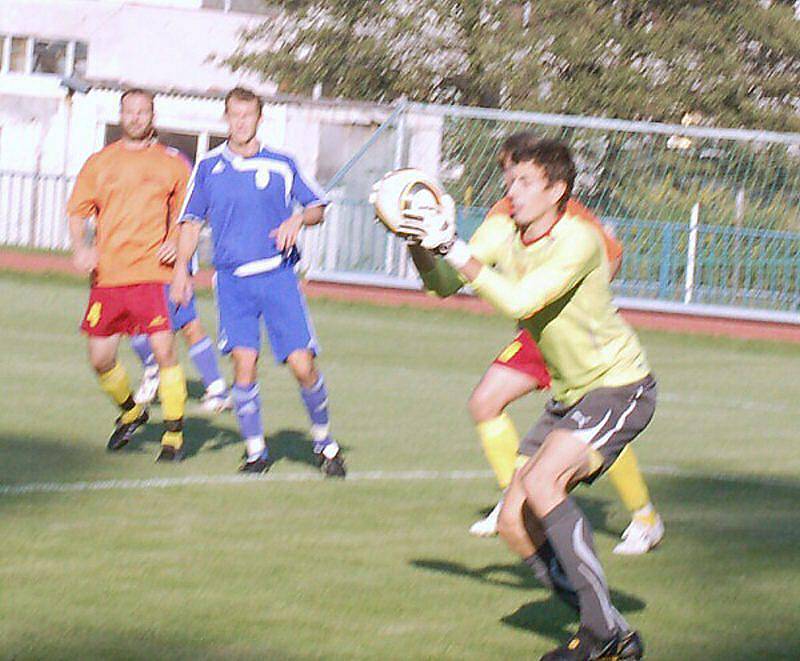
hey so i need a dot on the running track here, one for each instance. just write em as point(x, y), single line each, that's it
point(33, 262)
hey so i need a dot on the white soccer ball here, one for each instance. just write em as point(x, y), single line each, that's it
point(403, 193)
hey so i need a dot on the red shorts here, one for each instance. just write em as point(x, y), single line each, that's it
point(522, 355)
point(130, 309)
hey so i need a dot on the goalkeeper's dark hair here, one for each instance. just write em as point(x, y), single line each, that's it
point(554, 158)
point(138, 91)
point(511, 143)
point(244, 94)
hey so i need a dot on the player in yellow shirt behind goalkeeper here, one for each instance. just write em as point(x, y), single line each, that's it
point(551, 276)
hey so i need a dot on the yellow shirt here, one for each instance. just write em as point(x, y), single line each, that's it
point(557, 288)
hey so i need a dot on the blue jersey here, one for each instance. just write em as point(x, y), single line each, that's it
point(244, 200)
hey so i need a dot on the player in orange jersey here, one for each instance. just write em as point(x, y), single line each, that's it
point(134, 189)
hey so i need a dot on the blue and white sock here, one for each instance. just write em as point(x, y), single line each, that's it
point(141, 347)
point(205, 360)
point(315, 400)
point(247, 402)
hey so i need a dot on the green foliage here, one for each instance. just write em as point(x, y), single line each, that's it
point(734, 61)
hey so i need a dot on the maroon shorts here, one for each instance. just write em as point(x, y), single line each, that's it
point(130, 309)
point(522, 355)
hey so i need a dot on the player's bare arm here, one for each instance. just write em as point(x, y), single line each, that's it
point(188, 238)
point(84, 257)
point(288, 231)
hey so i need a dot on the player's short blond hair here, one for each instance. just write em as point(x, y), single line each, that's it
point(244, 94)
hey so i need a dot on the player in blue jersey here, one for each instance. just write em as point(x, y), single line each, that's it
point(216, 397)
point(256, 201)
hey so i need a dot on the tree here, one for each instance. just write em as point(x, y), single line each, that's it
point(737, 62)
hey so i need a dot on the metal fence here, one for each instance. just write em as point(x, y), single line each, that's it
point(32, 210)
point(707, 217)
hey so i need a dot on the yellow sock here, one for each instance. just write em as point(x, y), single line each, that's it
point(115, 382)
point(172, 393)
point(173, 439)
point(500, 444)
point(629, 483)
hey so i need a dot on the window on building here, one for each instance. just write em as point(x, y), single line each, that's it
point(81, 53)
point(186, 143)
point(18, 57)
point(242, 6)
point(216, 140)
point(43, 56)
point(50, 57)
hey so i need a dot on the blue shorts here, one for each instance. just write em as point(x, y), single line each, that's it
point(274, 296)
point(180, 316)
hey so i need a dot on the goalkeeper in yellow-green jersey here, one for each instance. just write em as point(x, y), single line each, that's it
point(551, 276)
point(520, 369)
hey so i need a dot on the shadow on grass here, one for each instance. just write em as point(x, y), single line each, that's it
point(548, 617)
point(554, 619)
point(132, 643)
point(730, 539)
point(197, 432)
point(598, 511)
point(25, 459)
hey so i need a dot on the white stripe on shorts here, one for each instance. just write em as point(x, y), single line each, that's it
point(600, 442)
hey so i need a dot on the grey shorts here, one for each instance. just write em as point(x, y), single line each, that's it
point(606, 419)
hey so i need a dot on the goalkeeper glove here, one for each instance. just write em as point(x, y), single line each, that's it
point(433, 228)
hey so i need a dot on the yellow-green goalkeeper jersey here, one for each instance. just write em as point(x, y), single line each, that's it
point(557, 288)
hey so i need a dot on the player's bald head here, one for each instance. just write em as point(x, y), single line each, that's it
point(137, 92)
point(136, 114)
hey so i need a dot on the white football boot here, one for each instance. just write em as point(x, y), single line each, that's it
point(217, 398)
point(146, 392)
point(487, 527)
point(640, 537)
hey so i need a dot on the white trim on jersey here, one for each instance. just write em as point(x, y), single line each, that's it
point(194, 262)
point(264, 167)
point(182, 217)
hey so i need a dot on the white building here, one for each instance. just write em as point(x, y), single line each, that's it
point(171, 47)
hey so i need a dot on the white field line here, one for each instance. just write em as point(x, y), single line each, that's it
point(192, 480)
point(721, 402)
point(363, 476)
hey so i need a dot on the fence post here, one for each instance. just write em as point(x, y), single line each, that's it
point(737, 256)
point(691, 254)
point(331, 240)
point(665, 267)
point(397, 162)
point(35, 207)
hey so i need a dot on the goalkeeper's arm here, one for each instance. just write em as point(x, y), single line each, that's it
point(437, 275)
point(441, 278)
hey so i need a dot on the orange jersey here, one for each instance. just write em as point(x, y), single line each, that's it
point(574, 208)
point(136, 196)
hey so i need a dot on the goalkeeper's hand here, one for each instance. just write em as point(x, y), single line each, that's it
point(432, 228)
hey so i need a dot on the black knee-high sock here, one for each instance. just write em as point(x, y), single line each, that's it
point(550, 574)
point(570, 535)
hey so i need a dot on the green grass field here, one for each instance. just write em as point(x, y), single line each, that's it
point(380, 566)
